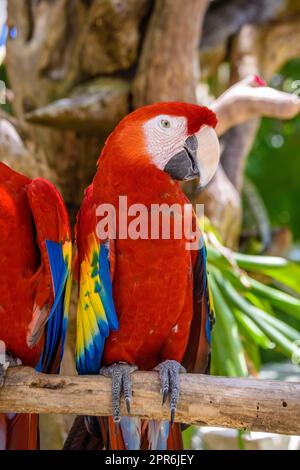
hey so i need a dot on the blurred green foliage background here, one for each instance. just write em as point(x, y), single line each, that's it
point(274, 162)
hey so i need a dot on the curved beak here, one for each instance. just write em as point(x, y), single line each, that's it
point(198, 159)
point(208, 153)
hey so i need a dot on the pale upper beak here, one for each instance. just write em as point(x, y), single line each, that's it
point(199, 157)
point(208, 153)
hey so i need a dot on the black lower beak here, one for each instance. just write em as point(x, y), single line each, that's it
point(184, 165)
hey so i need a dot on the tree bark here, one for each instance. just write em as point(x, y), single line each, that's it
point(169, 67)
point(59, 45)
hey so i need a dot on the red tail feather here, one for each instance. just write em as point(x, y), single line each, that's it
point(175, 437)
point(23, 433)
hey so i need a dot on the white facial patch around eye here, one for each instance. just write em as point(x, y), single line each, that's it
point(165, 136)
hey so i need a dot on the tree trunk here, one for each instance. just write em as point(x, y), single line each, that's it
point(168, 67)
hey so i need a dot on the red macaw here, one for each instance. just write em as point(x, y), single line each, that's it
point(35, 282)
point(143, 303)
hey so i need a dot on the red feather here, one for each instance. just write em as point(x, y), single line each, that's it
point(30, 213)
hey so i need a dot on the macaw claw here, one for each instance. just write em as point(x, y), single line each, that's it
point(121, 384)
point(9, 361)
point(170, 386)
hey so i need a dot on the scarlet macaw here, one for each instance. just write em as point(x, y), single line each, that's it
point(35, 282)
point(143, 303)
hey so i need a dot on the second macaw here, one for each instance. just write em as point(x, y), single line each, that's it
point(35, 282)
point(144, 303)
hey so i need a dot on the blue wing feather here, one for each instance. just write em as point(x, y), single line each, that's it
point(203, 256)
point(57, 320)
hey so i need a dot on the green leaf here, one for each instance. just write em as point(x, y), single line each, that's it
point(278, 298)
point(253, 305)
point(252, 331)
point(227, 330)
point(272, 327)
point(259, 302)
point(187, 436)
point(266, 314)
point(221, 364)
point(281, 326)
point(260, 263)
point(289, 276)
point(216, 258)
point(280, 269)
point(253, 353)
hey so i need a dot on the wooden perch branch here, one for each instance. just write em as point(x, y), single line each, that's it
point(250, 404)
point(246, 100)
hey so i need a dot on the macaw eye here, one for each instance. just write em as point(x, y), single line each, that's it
point(165, 124)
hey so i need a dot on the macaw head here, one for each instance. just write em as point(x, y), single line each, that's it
point(178, 138)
